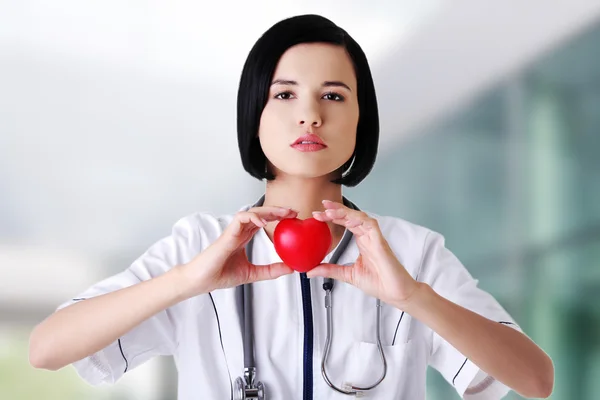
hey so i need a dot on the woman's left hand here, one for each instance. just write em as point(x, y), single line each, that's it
point(377, 271)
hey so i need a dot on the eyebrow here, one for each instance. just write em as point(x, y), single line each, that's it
point(325, 84)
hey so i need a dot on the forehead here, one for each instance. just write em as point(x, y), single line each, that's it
point(316, 62)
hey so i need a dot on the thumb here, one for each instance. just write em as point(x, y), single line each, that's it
point(269, 271)
point(334, 271)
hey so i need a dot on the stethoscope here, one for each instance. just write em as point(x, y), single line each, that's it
point(248, 387)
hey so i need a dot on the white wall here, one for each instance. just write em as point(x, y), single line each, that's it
point(118, 118)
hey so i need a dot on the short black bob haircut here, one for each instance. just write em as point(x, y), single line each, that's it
point(256, 79)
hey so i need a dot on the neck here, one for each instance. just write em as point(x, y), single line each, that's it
point(304, 195)
point(301, 194)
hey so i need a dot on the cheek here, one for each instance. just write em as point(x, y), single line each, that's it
point(268, 132)
point(348, 124)
point(270, 121)
point(350, 146)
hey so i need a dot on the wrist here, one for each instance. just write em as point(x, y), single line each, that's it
point(185, 284)
point(419, 299)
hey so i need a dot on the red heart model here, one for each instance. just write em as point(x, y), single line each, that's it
point(302, 244)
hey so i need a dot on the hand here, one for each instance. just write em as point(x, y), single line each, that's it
point(377, 271)
point(224, 263)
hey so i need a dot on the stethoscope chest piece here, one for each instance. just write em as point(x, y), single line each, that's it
point(247, 389)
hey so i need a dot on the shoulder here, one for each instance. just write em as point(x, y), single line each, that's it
point(409, 241)
point(401, 231)
point(203, 226)
point(423, 253)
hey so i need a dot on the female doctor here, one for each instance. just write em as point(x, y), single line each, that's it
point(307, 124)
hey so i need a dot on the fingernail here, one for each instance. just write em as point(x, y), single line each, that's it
point(264, 221)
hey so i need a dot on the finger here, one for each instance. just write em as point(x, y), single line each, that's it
point(245, 222)
point(274, 213)
point(339, 217)
point(333, 204)
point(320, 216)
point(264, 215)
point(248, 217)
point(334, 271)
point(353, 225)
point(339, 211)
point(269, 271)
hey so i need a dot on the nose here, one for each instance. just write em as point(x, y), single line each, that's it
point(310, 116)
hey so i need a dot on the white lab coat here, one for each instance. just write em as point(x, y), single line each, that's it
point(204, 334)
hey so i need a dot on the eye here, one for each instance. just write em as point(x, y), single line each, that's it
point(333, 96)
point(284, 95)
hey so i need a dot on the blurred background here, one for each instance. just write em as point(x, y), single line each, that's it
point(118, 118)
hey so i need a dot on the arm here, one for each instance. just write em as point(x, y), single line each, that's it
point(88, 326)
point(504, 353)
point(465, 320)
point(138, 307)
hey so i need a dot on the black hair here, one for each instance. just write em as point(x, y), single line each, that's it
point(256, 79)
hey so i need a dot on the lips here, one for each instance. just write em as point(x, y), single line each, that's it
point(309, 139)
point(309, 142)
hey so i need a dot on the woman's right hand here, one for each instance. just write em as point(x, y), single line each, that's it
point(224, 263)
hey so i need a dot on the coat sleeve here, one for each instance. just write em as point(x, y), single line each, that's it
point(448, 277)
point(156, 335)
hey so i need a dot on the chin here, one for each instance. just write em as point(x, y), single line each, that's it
point(306, 165)
point(309, 172)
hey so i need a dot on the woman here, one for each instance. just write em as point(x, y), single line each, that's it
point(307, 124)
